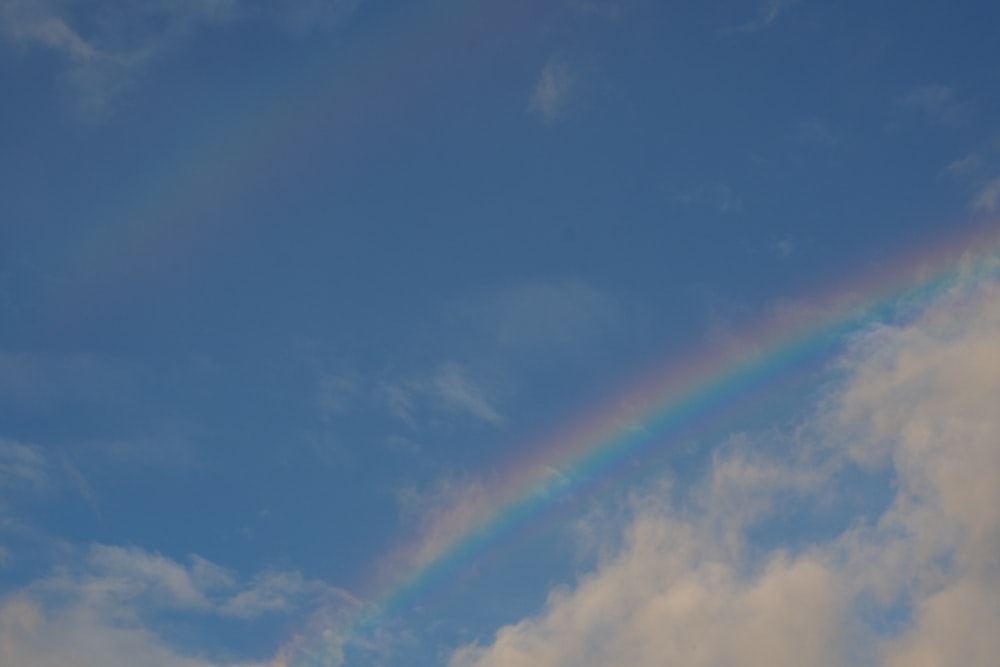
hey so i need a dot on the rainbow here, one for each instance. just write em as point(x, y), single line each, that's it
point(198, 196)
point(193, 199)
point(587, 453)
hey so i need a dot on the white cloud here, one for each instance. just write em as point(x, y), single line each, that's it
point(552, 90)
point(767, 14)
point(916, 409)
point(270, 592)
point(34, 635)
point(102, 610)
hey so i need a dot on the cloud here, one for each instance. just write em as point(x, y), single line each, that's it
point(34, 635)
point(102, 611)
point(969, 166)
point(449, 389)
point(108, 45)
point(552, 90)
point(271, 592)
point(471, 353)
point(937, 104)
point(977, 174)
point(452, 387)
point(908, 575)
point(988, 197)
point(21, 464)
point(767, 14)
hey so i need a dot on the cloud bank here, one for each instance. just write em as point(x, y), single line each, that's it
point(896, 476)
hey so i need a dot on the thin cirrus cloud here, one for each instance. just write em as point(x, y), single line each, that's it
point(451, 389)
point(103, 61)
point(937, 104)
point(988, 197)
point(910, 579)
point(975, 172)
point(553, 90)
point(493, 341)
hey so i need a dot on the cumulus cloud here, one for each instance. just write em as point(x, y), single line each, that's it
point(102, 610)
point(552, 90)
point(108, 45)
point(909, 575)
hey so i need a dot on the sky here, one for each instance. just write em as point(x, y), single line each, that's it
point(520, 333)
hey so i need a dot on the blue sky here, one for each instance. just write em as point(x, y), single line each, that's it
point(292, 292)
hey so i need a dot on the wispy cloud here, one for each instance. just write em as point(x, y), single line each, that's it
point(937, 104)
point(108, 46)
point(449, 389)
point(553, 89)
point(767, 14)
point(454, 389)
point(914, 410)
point(976, 174)
point(987, 199)
point(22, 464)
point(783, 248)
